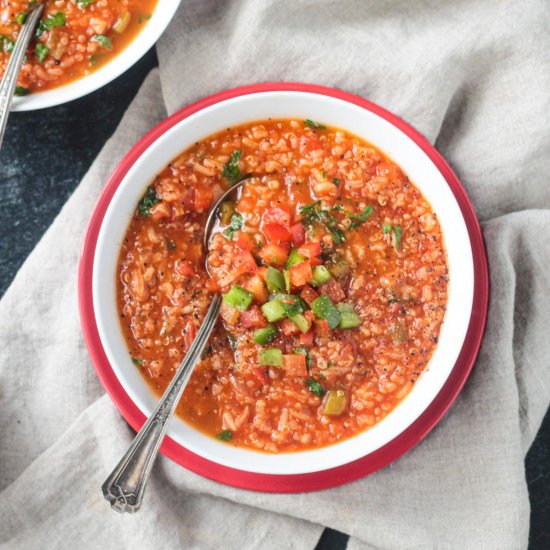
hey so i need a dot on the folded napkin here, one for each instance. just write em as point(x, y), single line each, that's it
point(473, 77)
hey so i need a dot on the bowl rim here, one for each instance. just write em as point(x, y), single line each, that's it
point(146, 38)
point(313, 480)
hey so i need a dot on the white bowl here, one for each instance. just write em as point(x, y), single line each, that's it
point(138, 47)
point(334, 112)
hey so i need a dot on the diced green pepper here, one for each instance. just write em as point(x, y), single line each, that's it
point(294, 258)
point(238, 298)
point(227, 209)
point(272, 357)
point(274, 310)
point(348, 317)
point(286, 276)
point(275, 280)
point(301, 322)
point(320, 275)
point(324, 309)
point(341, 269)
point(292, 304)
point(265, 335)
point(305, 351)
point(334, 403)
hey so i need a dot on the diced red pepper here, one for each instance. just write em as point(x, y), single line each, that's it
point(253, 318)
point(295, 364)
point(184, 268)
point(277, 214)
point(261, 375)
point(275, 233)
point(245, 241)
point(256, 286)
point(321, 327)
point(306, 340)
point(301, 274)
point(189, 333)
point(298, 233)
point(274, 254)
point(308, 294)
point(310, 249)
point(288, 328)
point(333, 290)
point(244, 263)
point(203, 197)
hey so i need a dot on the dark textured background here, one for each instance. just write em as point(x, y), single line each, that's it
point(46, 153)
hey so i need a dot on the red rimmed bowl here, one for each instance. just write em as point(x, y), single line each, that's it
point(460, 336)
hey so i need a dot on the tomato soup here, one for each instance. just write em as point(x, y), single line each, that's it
point(73, 38)
point(333, 273)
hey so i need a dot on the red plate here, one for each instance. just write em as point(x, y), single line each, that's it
point(316, 480)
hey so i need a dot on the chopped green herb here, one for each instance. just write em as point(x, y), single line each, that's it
point(305, 351)
point(314, 125)
point(41, 52)
point(103, 40)
point(324, 174)
point(51, 22)
point(232, 341)
point(20, 91)
point(312, 213)
point(231, 171)
point(336, 181)
point(361, 218)
point(226, 435)
point(84, 3)
point(6, 44)
point(315, 388)
point(398, 236)
point(94, 59)
point(386, 230)
point(149, 199)
point(236, 223)
point(137, 361)
point(21, 18)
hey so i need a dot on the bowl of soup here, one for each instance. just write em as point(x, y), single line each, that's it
point(349, 263)
point(79, 45)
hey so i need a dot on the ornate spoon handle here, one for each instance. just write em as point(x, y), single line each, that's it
point(9, 81)
point(125, 487)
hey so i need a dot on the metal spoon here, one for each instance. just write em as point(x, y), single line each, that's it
point(125, 486)
point(9, 81)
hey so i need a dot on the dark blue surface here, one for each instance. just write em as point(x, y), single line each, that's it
point(45, 155)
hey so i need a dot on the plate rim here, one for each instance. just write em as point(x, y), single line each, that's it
point(289, 483)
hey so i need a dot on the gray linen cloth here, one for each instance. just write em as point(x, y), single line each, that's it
point(474, 78)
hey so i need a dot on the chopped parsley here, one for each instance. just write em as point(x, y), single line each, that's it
point(315, 388)
point(305, 351)
point(20, 91)
point(149, 199)
point(235, 224)
point(137, 361)
point(231, 171)
point(6, 44)
point(84, 3)
point(41, 52)
point(226, 435)
point(361, 218)
point(312, 213)
point(103, 40)
point(397, 231)
point(51, 22)
point(336, 181)
point(314, 125)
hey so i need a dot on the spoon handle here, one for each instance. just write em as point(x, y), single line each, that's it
point(9, 80)
point(125, 486)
